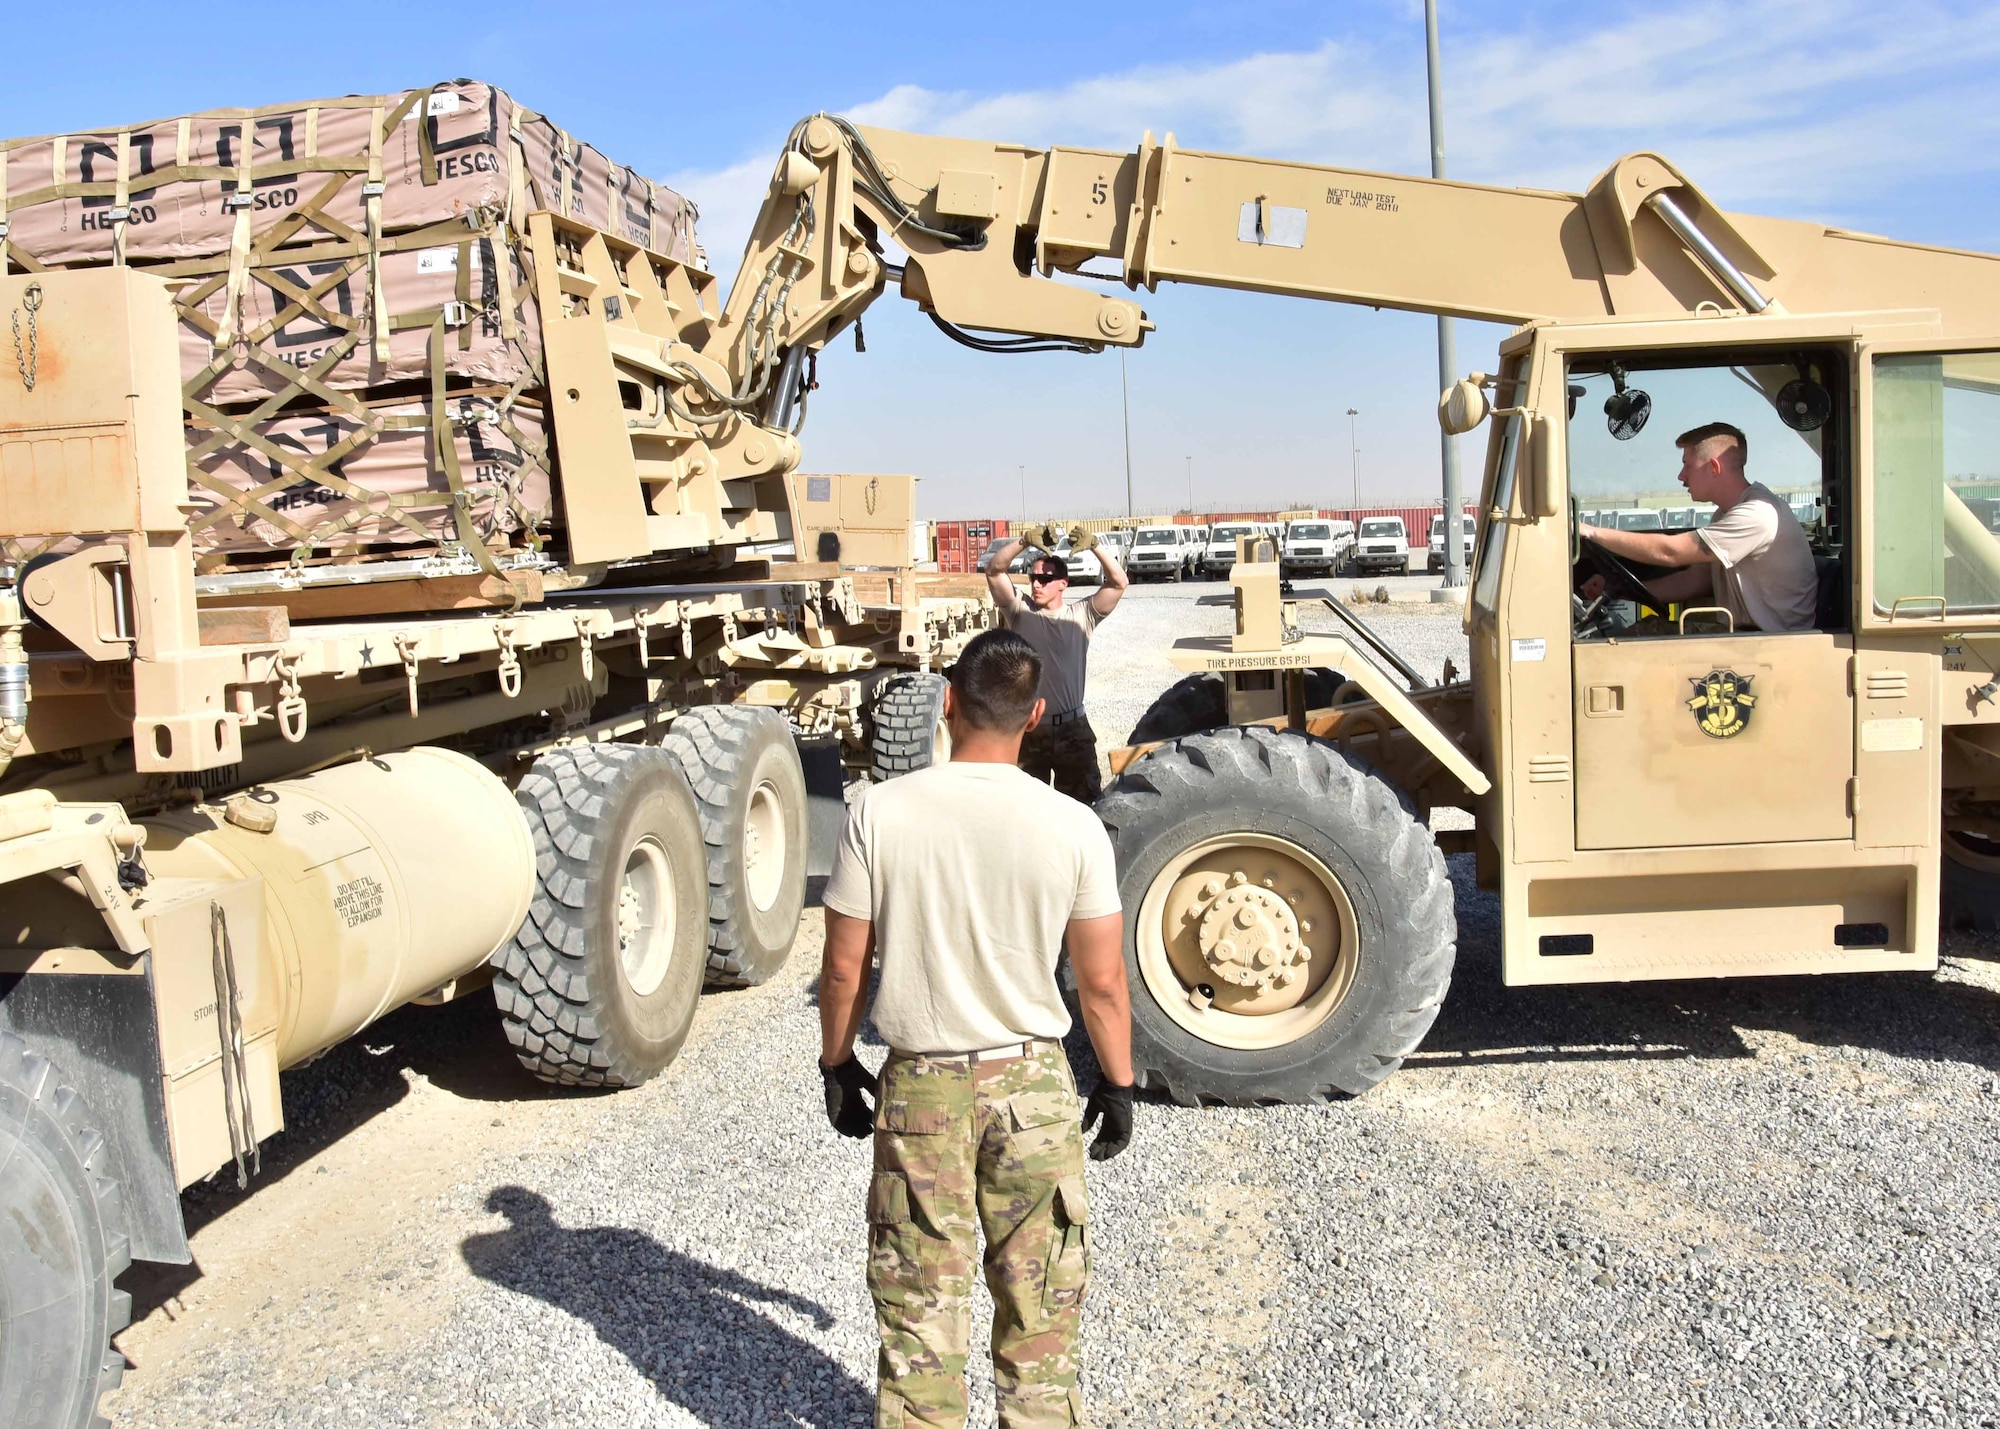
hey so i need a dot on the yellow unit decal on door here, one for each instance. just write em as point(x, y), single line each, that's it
point(1722, 703)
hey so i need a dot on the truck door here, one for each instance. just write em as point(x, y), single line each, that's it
point(1687, 730)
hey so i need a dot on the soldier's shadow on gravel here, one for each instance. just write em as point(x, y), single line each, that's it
point(689, 1327)
point(1910, 1015)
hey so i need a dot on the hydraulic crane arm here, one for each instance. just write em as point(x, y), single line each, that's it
point(988, 226)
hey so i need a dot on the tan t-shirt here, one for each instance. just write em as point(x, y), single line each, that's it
point(969, 873)
point(1766, 575)
point(1062, 639)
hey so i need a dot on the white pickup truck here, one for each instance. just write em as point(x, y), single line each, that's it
point(1220, 554)
point(1436, 557)
point(1382, 544)
point(1310, 548)
point(1159, 553)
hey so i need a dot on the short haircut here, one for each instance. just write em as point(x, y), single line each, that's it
point(995, 679)
point(1708, 431)
point(1050, 566)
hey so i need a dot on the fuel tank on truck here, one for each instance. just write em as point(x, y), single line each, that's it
point(383, 879)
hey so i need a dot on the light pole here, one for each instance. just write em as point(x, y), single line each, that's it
point(1024, 493)
point(1454, 547)
point(1190, 476)
point(1354, 454)
point(1125, 399)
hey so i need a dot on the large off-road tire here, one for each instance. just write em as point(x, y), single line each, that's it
point(62, 1243)
point(906, 725)
point(1357, 916)
point(599, 986)
point(751, 788)
point(1199, 702)
point(1969, 883)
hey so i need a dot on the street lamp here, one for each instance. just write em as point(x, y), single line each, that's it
point(1454, 551)
point(1190, 474)
point(1354, 454)
point(1024, 493)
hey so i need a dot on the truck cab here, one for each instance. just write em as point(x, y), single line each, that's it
point(1659, 769)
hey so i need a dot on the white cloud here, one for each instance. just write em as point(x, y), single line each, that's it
point(1799, 107)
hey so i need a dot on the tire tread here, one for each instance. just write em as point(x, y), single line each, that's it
point(1348, 798)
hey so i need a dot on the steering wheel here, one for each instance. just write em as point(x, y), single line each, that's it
point(1620, 580)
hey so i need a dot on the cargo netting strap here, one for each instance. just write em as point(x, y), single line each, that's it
point(444, 440)
point(371, 199)
point(238, 284)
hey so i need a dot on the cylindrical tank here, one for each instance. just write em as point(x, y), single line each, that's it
point(383, 879)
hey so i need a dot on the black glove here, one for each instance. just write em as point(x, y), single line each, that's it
point(845, 1109)
point(1114, 1104)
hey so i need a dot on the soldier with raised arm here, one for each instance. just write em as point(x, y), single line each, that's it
point(1062, 749)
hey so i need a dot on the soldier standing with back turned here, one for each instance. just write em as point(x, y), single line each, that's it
point(965, 879)
point(1062, 749)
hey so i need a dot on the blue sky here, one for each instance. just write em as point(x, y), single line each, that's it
point(1876, 116)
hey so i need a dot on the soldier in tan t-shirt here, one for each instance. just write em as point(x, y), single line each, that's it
point(966, 878)
point(1062, 749)
point(1753, 560)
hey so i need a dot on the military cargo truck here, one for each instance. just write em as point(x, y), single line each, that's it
point(408, 591)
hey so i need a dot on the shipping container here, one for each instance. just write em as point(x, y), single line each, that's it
point(961, 543)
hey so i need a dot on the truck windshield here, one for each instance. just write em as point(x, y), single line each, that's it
point(1228, 533)
point(1937, 463)
point(1381, 528)
point(1311, 533)
point(1157, 538)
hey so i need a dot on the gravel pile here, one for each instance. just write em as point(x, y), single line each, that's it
point(1767, 1202)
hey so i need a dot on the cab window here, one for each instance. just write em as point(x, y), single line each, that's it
point(1625, 411)
point(1937, 483)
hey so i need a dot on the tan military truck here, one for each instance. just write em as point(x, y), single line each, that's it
point(1655, 794)
point(408, 591)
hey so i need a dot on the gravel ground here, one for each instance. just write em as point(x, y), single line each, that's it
point(1764, 1202)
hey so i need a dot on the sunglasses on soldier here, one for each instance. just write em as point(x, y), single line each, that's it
point(1045, 577)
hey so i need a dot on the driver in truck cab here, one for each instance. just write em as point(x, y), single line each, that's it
point(1753, 559)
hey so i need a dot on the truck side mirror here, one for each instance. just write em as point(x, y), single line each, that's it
point(1462, 407)
point(1542, 474)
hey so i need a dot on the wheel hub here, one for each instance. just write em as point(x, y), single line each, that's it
point(630, 917)
point(1246, 940)
point(1250, 935)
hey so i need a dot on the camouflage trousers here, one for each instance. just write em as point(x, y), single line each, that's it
point(1068, 752)
point(1000, 1142)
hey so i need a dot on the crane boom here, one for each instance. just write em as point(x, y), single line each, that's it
point(993, 230)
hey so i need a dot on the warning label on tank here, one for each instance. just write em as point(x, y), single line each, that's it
point(359, 901)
